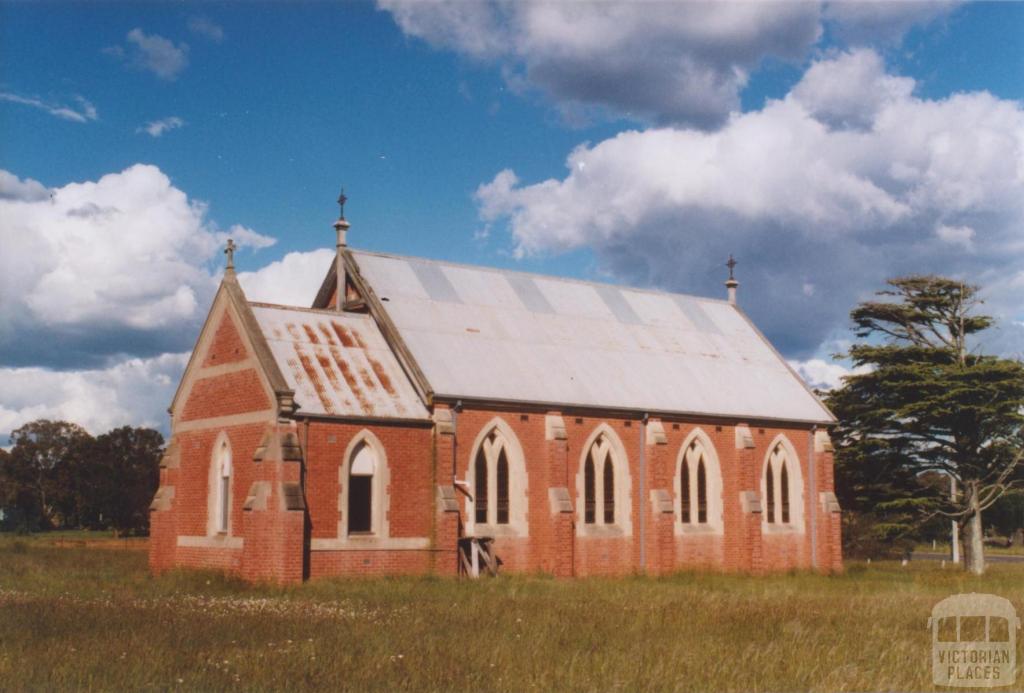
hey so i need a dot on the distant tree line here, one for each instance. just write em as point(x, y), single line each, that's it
point(58, 476)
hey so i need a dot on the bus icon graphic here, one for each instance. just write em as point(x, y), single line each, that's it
point(974, 641)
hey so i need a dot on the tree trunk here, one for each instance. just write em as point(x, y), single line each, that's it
point(975, 547)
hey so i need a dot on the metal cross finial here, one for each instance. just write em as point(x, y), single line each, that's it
point(341, 202)
point(229, 250)
point(731, 264)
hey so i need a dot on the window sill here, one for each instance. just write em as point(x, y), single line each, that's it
point(772, 528)
point(699, 530)
point(496, 531)
point(369, 542)
point(585, 530)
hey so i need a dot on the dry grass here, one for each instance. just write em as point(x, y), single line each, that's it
point(85, 619)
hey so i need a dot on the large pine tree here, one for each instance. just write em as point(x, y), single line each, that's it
point(926, 401)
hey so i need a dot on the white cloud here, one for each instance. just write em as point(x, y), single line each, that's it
point(849, 90)
point(824, 375)
point(130, 392)
point(670, 62)
point(863, 21)
point(293, 281)
point(206, 28)
point(666, 62)
point(156, 128)
point(822, 188)
point(14, 188)
point(82, 113)
point(122, 265)
point(153, 53)
point(956, 235)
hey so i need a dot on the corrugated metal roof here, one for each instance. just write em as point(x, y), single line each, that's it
point(492, 334)
point(338, 364)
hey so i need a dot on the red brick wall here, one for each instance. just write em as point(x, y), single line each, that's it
point(227, 345)
point(739, 546)
point(223, 395)
point(411, 490)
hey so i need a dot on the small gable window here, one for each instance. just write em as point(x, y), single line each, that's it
point(360, 490)
point(219, 500)
point(363, 479)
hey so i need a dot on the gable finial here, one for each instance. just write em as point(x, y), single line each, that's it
point(342, 199)
point(731, 282)
point(341, 227)
point(229, 250)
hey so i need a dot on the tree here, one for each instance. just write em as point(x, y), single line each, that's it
point(128, 462)
point(926, 403)
point(48, 469)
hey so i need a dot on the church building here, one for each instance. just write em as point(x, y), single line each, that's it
point(429, 417)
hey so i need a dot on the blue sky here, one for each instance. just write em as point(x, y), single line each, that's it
point(826, 145)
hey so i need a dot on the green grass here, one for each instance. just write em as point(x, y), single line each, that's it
point(76, 618)
point(943, 547)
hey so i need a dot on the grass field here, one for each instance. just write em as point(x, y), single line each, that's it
point(82, 618)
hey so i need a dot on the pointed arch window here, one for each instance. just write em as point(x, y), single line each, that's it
point(782, 494)
point(480, 495)
point(601, 492)
point(784, 491)
point(498, 482)
point(363, 479)
point(609, 491)
point(698, 485)
point(684, 491)
point(361, 490)
point(589, 491)
point(219, 500)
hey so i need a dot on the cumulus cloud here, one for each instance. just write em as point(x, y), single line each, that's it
point(206, 28)
point(83, 112)
point(863, 21)
point(820, 374)
point(156, 128)
point(122, 265)
point(669, 62)
point(27, 190)
point(153, 53)
point(293, 281)
point(661, 62)
point(130, 392)
point(835, 191)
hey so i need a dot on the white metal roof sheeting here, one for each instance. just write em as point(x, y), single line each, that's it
point(338, 363)
point(492, 334)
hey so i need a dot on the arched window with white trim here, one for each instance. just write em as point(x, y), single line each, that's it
point(219, 495)
point(781, 487)
point(497, 477)
point(363, 479)
point(603, 484)
point(698, 485)
point(360, 490)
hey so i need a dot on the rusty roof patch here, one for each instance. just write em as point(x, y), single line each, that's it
point(311, 334)
point(338, 363)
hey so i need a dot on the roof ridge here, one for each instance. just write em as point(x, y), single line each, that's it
point(303, 309)
point(572, 280)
